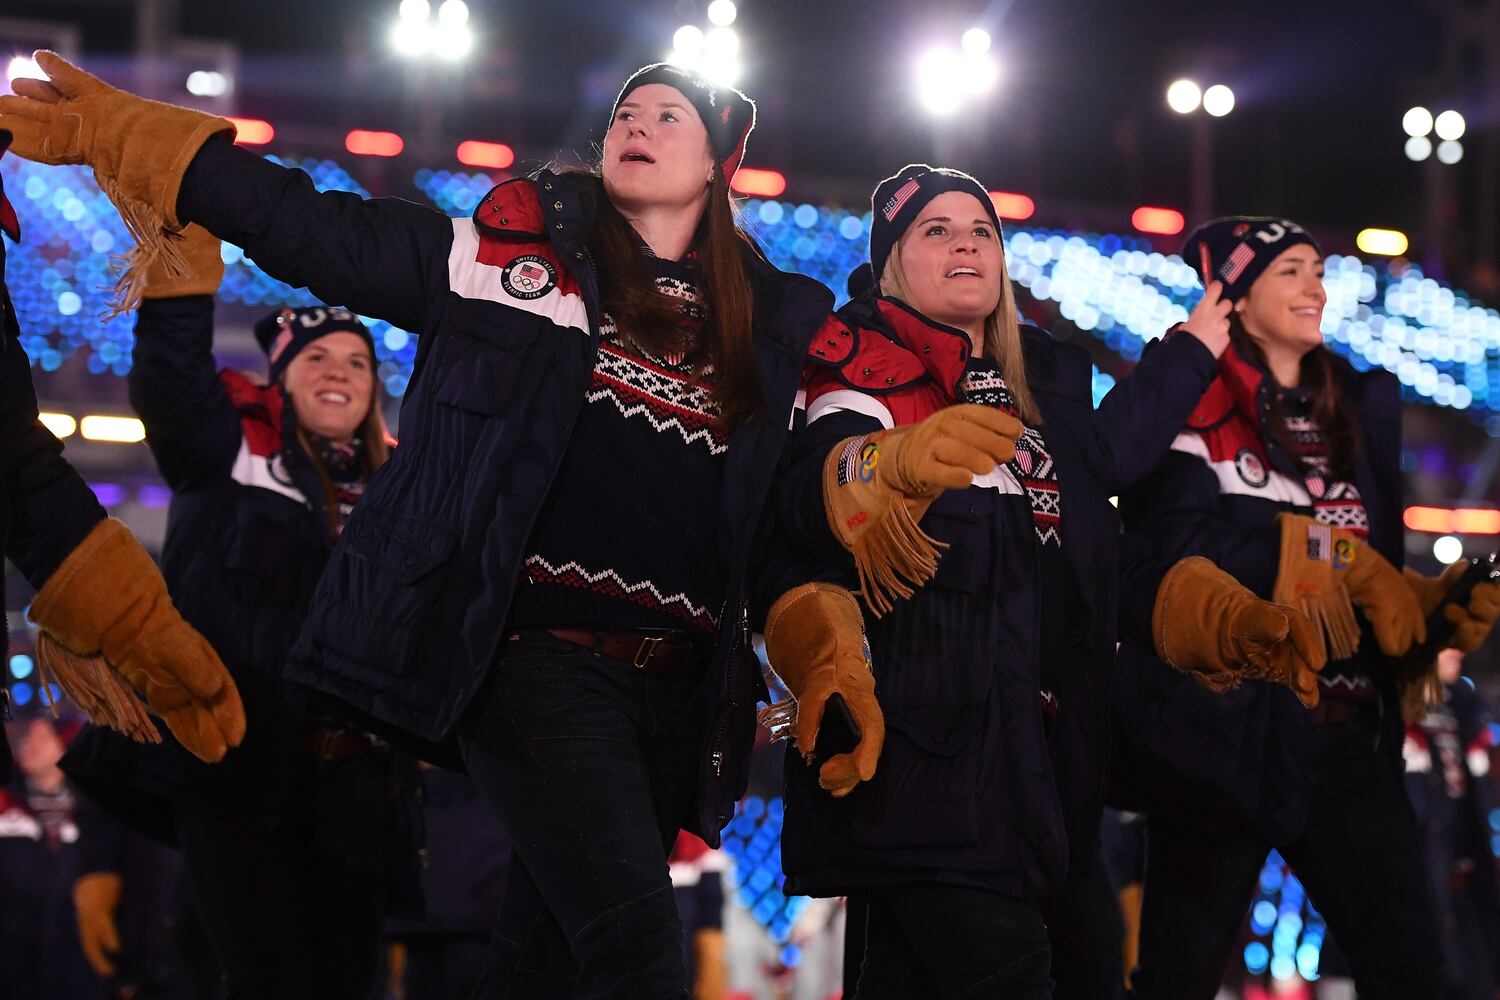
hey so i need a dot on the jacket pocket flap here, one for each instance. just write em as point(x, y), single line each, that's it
point(942, 730)
point(407, 547)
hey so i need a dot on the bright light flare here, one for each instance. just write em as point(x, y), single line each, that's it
point(1417, 122)
point(1450, 151)
point(1382, 242)
point(1012, 206)
point(491, 155)
point(758, 183)
point(976, 41)
point(60, 424)
point(722, 13)
point(1450, 126)
point(207, 83)
point(1448, 550)
point(365, 143)
point(252, 131)
point(688, 40)
point(1160, 221)
point(940, 85)
point(1418, 148)
point(453, 12)
point(120, 430)
point(1184, 97)
point(1218, 100)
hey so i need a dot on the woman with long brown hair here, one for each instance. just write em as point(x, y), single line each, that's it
point(555, 577)
point(1287, 476)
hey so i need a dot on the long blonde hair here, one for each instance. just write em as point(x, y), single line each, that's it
point(1002, 332)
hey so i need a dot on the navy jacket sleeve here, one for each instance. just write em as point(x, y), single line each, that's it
point(1136, 422)
point(382, 257)
point(799, 501)
point(191, 425)
point(1177, 508)
point(1141, 570)
point(48, 508)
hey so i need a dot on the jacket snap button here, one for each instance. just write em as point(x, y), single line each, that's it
point(820, 353)
point(843, 333)
point(927, 349)
point(490, 196)
point(889, 381)
point(868, 372)
point(559, 225)
point(504, 222)
point(578, 255)
point(547, 186)
point(557, 206)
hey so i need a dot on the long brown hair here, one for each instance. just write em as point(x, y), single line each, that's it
point(1319, 378)
point(1002, 333)
point(650, 318)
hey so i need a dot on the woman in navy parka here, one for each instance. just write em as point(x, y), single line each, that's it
point(994, 675)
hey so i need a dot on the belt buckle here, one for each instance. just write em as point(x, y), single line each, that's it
point(645, 651)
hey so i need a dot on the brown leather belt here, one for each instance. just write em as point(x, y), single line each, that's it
point(329, 743)
point(651, 651)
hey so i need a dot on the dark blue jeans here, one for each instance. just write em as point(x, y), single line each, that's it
point(592, 766)
point(946, 942)
point(1358, 857)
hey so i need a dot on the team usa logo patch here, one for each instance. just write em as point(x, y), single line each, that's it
point(528, 277)
point(1251, 469)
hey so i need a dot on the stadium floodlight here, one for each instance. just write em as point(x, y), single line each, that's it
point(722, 13)
point(1417, 122)
point(1218, 100)
point(1184, 96)
point(1449, 126)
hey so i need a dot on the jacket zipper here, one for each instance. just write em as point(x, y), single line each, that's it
point(741, 634)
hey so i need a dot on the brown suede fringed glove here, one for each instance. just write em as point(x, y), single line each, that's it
point(1472, 621)
point(815, 641)
point(139, 150)
point(1416, 678)
point(106, 611)
point(203, 263)
point(876, 487)
point(1214, 630)
point(1325, 571)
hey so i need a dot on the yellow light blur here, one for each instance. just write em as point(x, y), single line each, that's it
point(123, 430)
point(1385, 242)
point(60, 424)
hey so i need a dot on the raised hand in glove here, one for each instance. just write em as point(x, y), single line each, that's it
point(139, 150)
point(876, 487)
point(107, 600)
point(1323, 569)
point(815, 641)
point(1472, 621)
point(1214, 630)
point(96, 896)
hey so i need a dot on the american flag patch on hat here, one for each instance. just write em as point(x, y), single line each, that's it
point(1234, 265)
point(901, 197)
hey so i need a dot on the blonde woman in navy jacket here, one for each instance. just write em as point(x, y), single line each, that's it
point(997, 583)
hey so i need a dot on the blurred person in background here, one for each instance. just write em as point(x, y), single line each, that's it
point(40, 956)
point(1449, 752)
